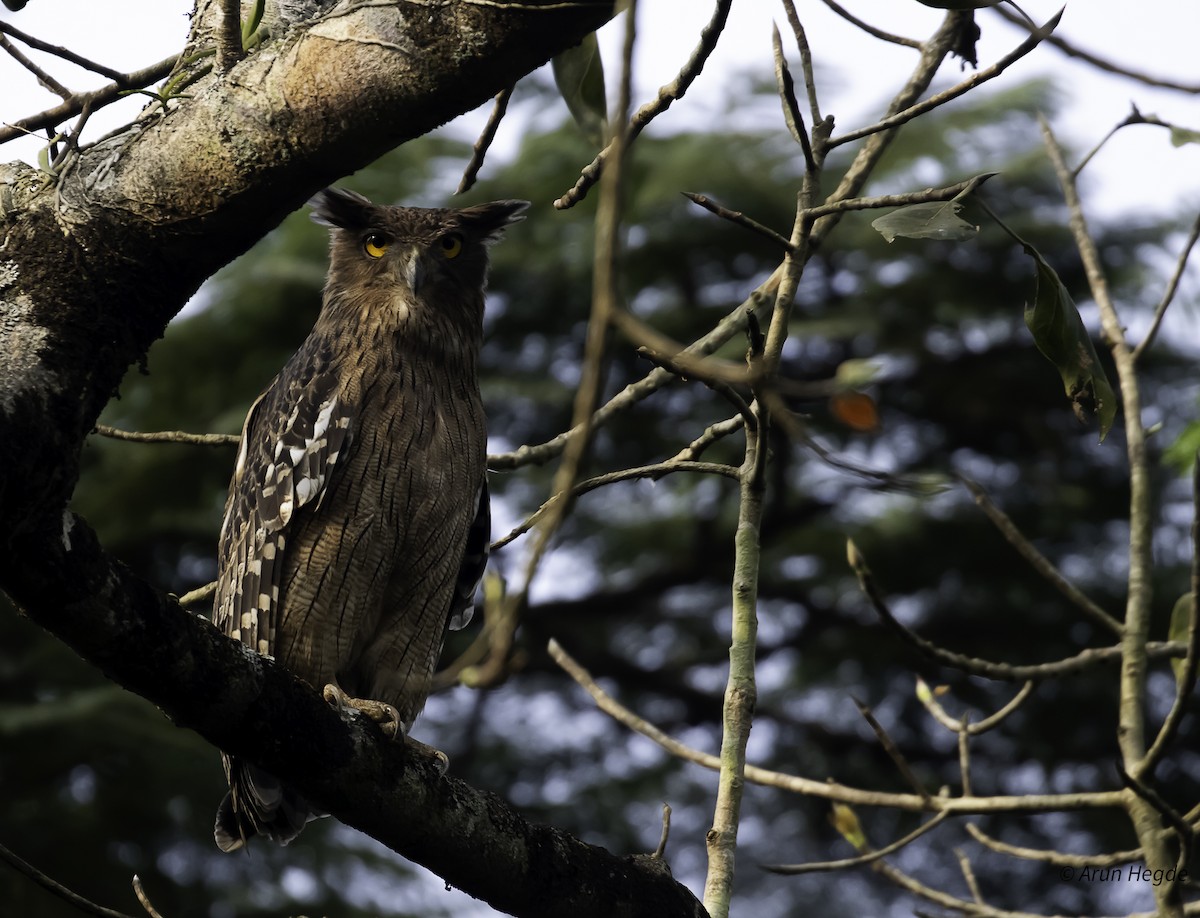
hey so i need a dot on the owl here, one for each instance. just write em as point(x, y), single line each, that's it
point(357, 523)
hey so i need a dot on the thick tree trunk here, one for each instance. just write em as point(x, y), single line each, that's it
point(95, 260)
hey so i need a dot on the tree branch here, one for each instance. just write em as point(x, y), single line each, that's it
point(237, 700)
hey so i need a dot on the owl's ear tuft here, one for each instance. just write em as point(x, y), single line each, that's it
point(341, 208)
point(489, 220)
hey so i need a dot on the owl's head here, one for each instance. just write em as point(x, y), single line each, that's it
point(428, 253)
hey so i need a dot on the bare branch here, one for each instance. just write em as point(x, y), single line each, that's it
point(143, 898)
point(846, 863)
point(655, 471)
point(1004, 672)
point(65, 53)
point(42, 76)
point(870, 29)
point(711, 435)
point(1037, 560)
point(1172, 286)
point(890, 748)
point(1072, 50)
point(651, 110)
point(925, 696)
point(941, 98)
point(1056, 858)
point(167, 436)
point(734, 323)
point(196, 595)
point(486, 136)
point(806, 62)
point(666, 832)
point(96, 100)
point(54, 887)
point(830, 790)
point(734, 216)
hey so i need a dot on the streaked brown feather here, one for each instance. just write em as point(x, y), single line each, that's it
point(357, 520)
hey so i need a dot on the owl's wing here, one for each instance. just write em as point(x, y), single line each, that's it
point(291, 441)
point(475, 555)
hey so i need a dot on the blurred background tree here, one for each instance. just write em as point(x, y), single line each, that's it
point(100, 786)
point(637, 585)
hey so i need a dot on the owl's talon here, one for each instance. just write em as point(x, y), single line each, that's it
point(441, 761)
point(382, 713)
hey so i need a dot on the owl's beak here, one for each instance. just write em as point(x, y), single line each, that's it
point(413, 268)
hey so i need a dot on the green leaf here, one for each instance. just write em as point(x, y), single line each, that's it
point(1181, 619)
point(1181, 455)
point(579, 73)
point(931, 220)
point(1059, 333)
point(1182, 136)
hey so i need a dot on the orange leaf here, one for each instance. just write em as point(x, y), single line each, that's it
point(855, 410)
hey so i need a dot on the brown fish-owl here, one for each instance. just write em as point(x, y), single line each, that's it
point(357, 523)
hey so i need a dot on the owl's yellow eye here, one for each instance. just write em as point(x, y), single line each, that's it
point(451, 245)
point(375, 245)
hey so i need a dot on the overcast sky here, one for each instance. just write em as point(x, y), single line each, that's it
point(1154, 35)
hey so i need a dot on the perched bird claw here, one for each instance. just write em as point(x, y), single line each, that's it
point(388, 719)
point(441, 761)
point(382, 713)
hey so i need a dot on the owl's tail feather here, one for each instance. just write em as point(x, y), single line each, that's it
point(258, 804)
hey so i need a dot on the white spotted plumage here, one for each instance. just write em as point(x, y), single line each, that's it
point(357, 523)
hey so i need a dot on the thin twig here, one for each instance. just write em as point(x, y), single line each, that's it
point(42, 76)
point(945, 193)
point(806, 63)
point(64, 53)
point(890, 748)
point(711, 435)
point(968, 873)
point(964, 755)
point(732, 324)
point(735, 216)
point(1004, 672)
point(605, 299)
point(655, 471)
point(870, 29)
point(661, 850)
point(484, 142)
point(1071, 50)
point(196, 595)
point(53, 886)
point(1185, 680)
point(97, 100)
point(143, 898)
point(830, 790)
point(947, 95)
point(720, 386)
point(1039, 562)
point(651, 110)
point(848, 862)
point(167, 436)
point(1172, 286)
point(1056, 858)
point(925, 696)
